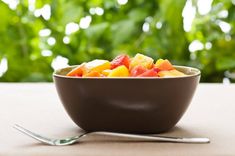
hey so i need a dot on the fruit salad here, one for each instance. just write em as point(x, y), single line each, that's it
point(124, 66)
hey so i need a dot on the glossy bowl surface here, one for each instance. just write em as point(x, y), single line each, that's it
point(130, 105)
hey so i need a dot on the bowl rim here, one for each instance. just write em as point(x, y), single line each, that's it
point(197, 73)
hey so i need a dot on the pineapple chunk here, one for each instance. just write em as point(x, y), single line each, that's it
point(120, 71)
point(96, 65)
point(177, 73)
point(170, 73)
point(93, 74)
point(106, 72)
point(142, 60)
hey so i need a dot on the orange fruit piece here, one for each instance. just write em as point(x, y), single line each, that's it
point(163, 64)
point(77, 71)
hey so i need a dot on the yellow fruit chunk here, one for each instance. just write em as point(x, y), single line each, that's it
point(93, 74)
point(142, 60)
point(170, 73)
point(159, 61)
point(96, 65)
point(120, 71)
point(177, 73)
point(106, 72)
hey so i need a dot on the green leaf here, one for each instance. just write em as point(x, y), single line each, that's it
point(225, 63)
point(96, 31)
point(71, 12)
point(122, 31)
point(4, 13)
point(138, 14)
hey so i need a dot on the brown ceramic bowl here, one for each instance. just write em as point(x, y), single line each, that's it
point(130, 105)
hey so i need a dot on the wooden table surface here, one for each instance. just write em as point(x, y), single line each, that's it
point(36, 106)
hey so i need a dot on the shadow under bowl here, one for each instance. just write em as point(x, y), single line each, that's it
point(129, 105)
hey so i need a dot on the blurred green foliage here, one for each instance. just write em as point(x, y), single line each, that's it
point(118, 30)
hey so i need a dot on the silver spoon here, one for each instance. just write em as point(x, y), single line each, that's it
point(74, 139)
